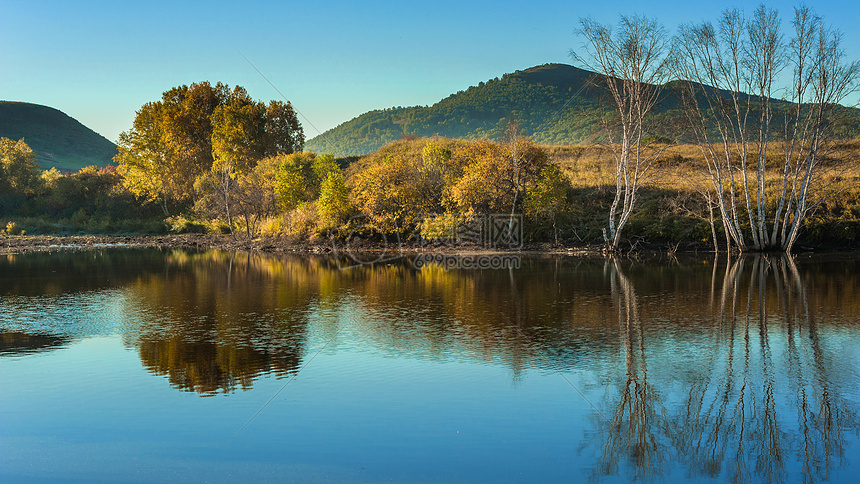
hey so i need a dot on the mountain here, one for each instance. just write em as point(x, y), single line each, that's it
point(553, 104)
point(534, 97)
point(57, 139)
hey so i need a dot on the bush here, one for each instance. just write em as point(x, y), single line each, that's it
point(13, 229)
point(272, 227)
point(181, 225)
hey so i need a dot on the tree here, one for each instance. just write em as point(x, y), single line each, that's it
point(145, 161)
point(495, 174)
point(632, 65)
point(398, 189)
point(282, 131)
point(170, 143)
point(235, 145)
point(299, 176)
point(388, 191)
point(174, 142)
point(547, 197)
point(733, 122)
point(333, 204)
point(19, 175)
point(254, 194)
point(18, 170)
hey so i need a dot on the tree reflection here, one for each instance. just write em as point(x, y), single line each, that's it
point(216, 321)
point(14, 343)
point(632, 430)
point(730, 369)
point(761, 363)
point(737, 415)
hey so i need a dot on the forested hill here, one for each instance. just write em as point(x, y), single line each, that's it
point(553, 104)
point(534, 97)
point(57, 139)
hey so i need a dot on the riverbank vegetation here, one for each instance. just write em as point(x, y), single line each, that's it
point(566, 192)
point(735, 168)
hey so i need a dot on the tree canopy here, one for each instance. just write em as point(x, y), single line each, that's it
point(194, 129)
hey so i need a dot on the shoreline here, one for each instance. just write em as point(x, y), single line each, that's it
point(24, 244)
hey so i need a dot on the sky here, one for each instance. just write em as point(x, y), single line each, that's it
point(100, 61)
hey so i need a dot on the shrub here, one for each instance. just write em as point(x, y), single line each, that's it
point(181, 225)
point(13, 229)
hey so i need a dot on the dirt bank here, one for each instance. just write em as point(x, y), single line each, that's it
point(47, 243)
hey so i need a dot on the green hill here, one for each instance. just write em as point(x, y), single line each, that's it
point(534, 97)
point(553, 103)
point(58, 140)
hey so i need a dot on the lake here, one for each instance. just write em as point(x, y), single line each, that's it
point(142, 365)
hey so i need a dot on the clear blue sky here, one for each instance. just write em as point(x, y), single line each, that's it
point(99, 61)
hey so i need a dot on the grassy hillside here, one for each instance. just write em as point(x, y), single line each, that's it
point(58, 140)
point(553, 103)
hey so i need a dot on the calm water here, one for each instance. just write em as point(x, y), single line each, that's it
point(151, 366)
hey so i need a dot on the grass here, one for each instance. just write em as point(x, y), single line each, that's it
point(671, 208)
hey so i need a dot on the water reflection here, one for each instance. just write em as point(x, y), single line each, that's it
point(17, 343)
point(742, 369)
point(631, 429)
point(767, 396)
point(214, 321)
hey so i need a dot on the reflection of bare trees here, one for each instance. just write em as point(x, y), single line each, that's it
point(735, 419)
point(760, 400)
point(632, 432)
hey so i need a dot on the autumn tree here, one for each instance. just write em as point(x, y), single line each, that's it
point(170, 143)
point(19, 175)
point(388, 191)
point(495, 174)
point(174, 142)
point(547, 197)
point(254, 194)
point(333, 204)
point(235, 146)
point(18, 170)
point(399, 190)
point(631, 64)
point(145, 161)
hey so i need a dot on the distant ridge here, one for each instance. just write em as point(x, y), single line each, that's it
point(553, 104)
point(57, 139)
point(534, 97)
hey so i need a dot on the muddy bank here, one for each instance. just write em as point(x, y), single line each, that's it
point(47, 243)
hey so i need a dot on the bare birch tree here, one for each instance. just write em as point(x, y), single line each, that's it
point(632, 65)
point(728, 86)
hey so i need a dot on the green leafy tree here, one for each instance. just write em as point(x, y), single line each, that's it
point(18, 169)
point(333, 204)
point(282, 132)
point(299, 177)
point(19, 175)
point(547, 197)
